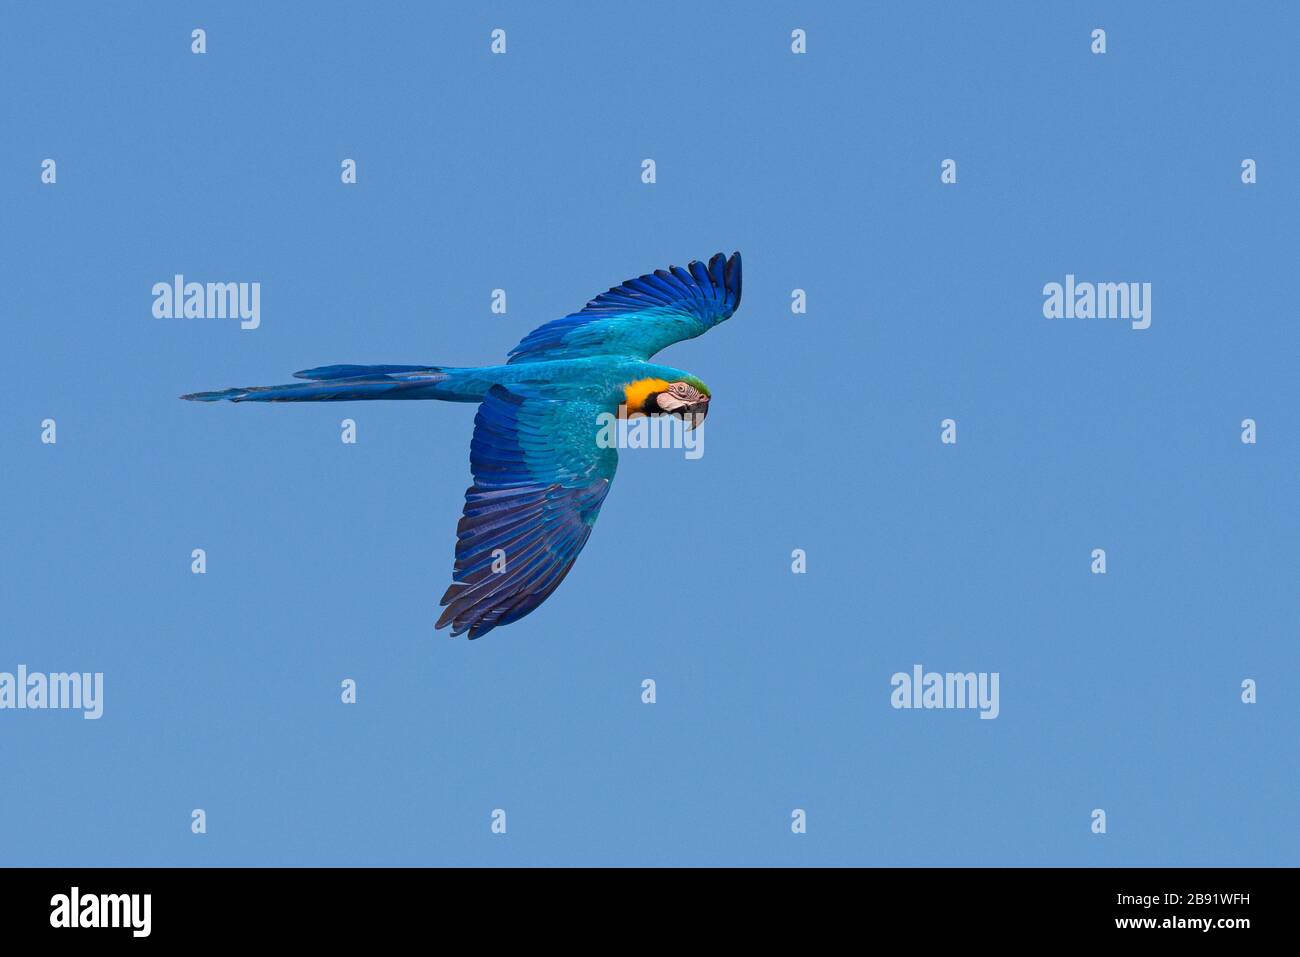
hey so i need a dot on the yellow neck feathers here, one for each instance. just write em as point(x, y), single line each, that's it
point(635, 393)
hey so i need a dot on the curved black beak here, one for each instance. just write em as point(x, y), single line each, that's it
point(695, 413)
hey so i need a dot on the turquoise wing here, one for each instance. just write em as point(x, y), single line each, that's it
point(641, 316)
point(540, 476)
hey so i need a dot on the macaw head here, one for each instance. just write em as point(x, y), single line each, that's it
point(688, 399)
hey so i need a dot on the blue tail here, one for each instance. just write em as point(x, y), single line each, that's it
point(341, 383)
point(352, 372)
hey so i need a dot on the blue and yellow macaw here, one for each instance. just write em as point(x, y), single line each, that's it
point(540, 475)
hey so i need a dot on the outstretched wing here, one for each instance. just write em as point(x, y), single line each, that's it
point(540, 477)
point(642, 316)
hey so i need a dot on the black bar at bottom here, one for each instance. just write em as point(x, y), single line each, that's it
point(376, 904)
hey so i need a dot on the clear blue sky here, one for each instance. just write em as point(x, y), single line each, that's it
point(522, 172)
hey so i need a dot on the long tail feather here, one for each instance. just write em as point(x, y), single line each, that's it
point(352, 372)
point(329, 390)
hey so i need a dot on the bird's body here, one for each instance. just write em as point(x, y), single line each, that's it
point(598, 378)
point(540, 473)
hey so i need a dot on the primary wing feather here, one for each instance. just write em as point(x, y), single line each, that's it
point(539, 480)
point(641, 316)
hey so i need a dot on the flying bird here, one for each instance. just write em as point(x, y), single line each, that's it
point(539, 472)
